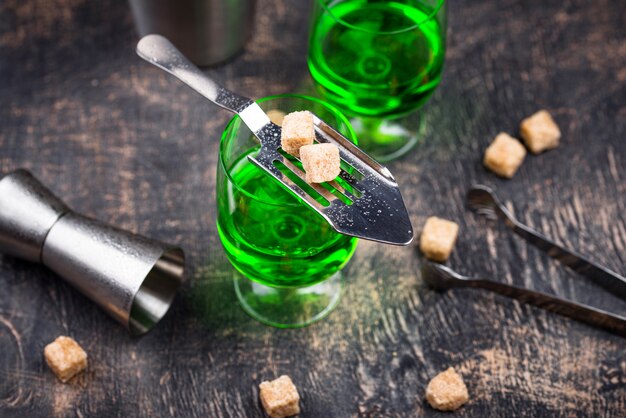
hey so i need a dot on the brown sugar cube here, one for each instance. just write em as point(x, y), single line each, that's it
point(540, 132)
point(297, 131)
point(447, 391)
point(438, 238)
point(280, 397)
point(321, 162)
point(65, 357)
point(504, 155)
point(276, 116)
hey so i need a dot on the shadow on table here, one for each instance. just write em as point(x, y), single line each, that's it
point(214, 302)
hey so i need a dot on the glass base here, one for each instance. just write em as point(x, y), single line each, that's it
point(288, 307)
point(387, 139)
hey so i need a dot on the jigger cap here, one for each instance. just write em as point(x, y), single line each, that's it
point(133, 278)
point(27, 212)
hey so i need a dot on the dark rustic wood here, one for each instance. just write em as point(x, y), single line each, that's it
point(121, 141)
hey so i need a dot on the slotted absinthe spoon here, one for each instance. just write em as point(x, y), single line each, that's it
point(375, 209)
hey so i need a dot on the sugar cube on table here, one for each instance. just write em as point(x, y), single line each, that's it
point(447, 391)
point(540, 132)
point(280, 397)
point(321, 162)
point(65, 357)
point(297, 130)
point(438, 238)
point(504, 155)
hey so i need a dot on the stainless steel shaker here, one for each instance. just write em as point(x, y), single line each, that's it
point(206, 31)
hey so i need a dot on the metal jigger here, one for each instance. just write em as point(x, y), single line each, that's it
point(131, 277)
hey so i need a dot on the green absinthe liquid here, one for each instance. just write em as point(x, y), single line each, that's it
point(377, 58)
point(274, 239)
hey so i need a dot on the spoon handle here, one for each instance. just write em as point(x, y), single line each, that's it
point(159, 51)
point(584, 313)
point(606, 278)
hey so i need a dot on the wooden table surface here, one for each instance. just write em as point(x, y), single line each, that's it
point(121, 141)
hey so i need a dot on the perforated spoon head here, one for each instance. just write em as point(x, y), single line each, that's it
point(364, 201)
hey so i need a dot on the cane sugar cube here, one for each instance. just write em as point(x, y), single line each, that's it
point(321, 162)
point(504, 155)
point(540, 132)
point(65, 357)
point(276, 116)
point(297, 131)
point(280, 397)
point(438, 238)
point(447, 391)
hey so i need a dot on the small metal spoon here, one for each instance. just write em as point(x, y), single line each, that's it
point(442, 278)
point(375, 209)
point(483, 200)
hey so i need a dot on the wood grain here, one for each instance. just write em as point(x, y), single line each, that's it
point(121, 141)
